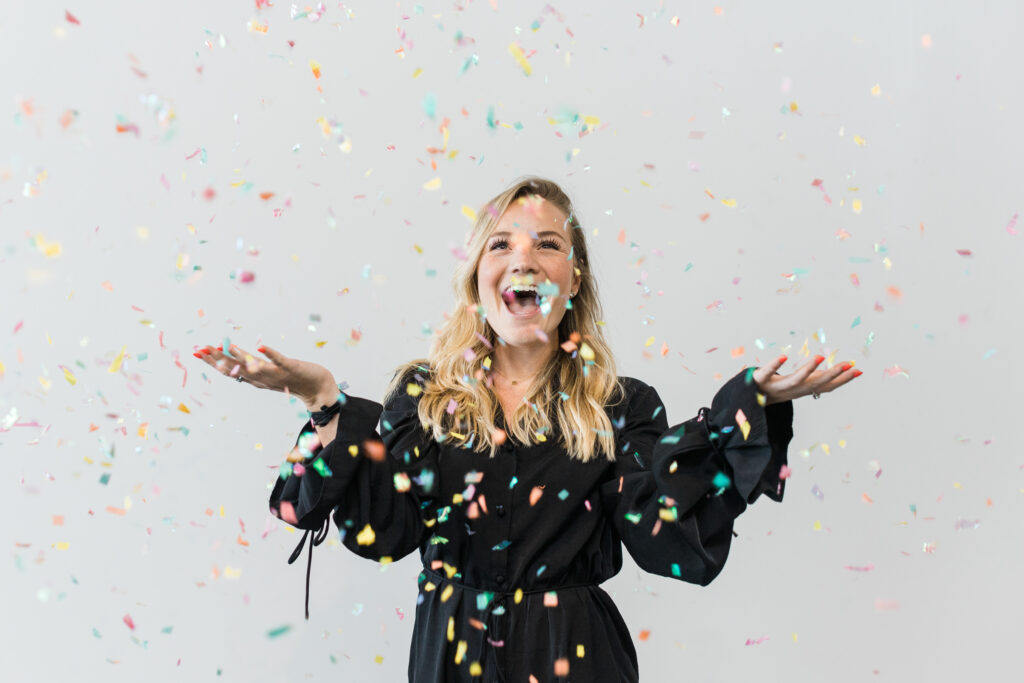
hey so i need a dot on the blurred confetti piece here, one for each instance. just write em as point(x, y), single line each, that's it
point(817, 492)
point(116, 365)
point(128, 621)
point(314, 66)
point(434, 184)
point(1012, 225)
point(756, 641)
point(279, 631)
point(517, 52)
point(71, 19)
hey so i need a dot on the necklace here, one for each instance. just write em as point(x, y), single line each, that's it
point(513, 381)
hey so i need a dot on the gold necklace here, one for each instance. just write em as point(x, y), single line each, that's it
point(514, 381)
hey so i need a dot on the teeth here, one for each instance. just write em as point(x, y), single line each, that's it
point(521, 288)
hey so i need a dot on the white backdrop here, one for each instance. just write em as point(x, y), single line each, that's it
point(754, 179)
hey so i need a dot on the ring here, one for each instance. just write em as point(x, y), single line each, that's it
point(815, 394)
point(240, 379)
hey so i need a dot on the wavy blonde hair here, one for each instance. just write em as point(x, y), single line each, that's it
point(457, 366)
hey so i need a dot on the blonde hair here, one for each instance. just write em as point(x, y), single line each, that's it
point(576, 388)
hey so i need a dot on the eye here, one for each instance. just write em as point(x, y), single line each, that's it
point(504, 243)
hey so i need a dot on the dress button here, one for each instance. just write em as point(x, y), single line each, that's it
point(500, 509)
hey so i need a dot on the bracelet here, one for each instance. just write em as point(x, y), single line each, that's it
point(323, 416)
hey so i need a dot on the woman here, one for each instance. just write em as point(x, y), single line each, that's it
point(518, 463)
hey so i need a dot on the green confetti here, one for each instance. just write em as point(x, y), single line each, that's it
point(279, 631)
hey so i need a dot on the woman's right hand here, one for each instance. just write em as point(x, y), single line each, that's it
point(307, 381)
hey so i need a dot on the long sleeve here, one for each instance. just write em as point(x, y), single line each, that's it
point(376, 484)
point(676, 492)
point(366, 479)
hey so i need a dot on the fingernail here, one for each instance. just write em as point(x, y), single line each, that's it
point(260, 348)
point(205, 352)
point(197, 354)
point(782, 359)
point(857, 373)
point(845, 367)
point(818, 359)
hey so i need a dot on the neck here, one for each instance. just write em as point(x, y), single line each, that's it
point(522, 363)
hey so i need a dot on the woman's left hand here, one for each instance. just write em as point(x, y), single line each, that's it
point(804, 381)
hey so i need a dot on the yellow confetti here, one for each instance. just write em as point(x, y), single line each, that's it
point(315, 67)
point(586, 352)
point(460, 651)
point(366, 536)
point(794, 636)
point(468, 212)
point(379, 659)
point(62, 545)
point(232, 573)
point(221, 511)
point(877, 90)
point(256, 27)
point(517, 52)
point(817, 525)
point(116, 365)
point(859, 140)
point(184, 408)
point(67, 375)
point(447, 592)
point(432, 184)
point(731, 203)
point(579, 651)
point(451, 629)
point(144, 430)
point(518, 597)
point(413, 389)
point(417, 72)
point(475, 669)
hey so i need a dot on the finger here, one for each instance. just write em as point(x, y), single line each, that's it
point(225, 365)
point(799, 376)
point(272, 354)
point(765, 372)
point(251, 364)
point(837, 377)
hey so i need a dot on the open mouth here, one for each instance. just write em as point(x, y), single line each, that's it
point(524, 304)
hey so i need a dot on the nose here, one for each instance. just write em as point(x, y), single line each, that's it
point(525, 260)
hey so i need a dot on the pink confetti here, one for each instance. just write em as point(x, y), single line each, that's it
point(757, 641)
point(129, 622)
point(865, 568)
point(1012, 225)
point(785, 472)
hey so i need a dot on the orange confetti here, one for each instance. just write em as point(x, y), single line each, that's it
point(121, 512)
point(866, 498)
point(58, 520)
point(242, 541)
point(622, 236)
point(374, 450)
point(561, 667)
point(535, 493)
point(266, 195)
point(644, 635)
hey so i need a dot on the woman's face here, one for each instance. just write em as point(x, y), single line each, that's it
point(530, 245)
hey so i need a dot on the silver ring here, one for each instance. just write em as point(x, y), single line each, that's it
point(240, 379)
point(816, 395)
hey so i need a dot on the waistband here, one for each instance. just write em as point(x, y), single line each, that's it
point(441, 578)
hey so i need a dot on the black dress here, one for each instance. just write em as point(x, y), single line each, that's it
point(514, 547)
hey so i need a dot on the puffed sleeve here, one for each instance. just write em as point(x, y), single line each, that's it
point(376, 484)
point(676, 491)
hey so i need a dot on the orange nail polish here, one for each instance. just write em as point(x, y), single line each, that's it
point(857, 373)
point(818, 359)
point(845, 367)
point(783, 359)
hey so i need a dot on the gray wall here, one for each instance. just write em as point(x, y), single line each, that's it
point(691, 113)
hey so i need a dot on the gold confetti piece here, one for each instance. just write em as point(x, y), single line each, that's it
point(378, 659)
point(859, 140)
point(518, 597)
point(144, 430)
point(579, 650)
point(731, 203)
point(61, 545)
point(315, 68)
point(517, 52)
point(460, 651)
point(650, 340)
point(857, 205)
point(413, 389)
point(468, 212)
point(475, 669)
point(432, 184)
point(116, 365)
point(447, 592)
point(232, 573)
point(67, 375)
point(451, 629)
point(817, 525)
point(417, 72)
point(366, 536)
point(877, 90)
point(184, 408)
point(256, 27)
point(586, 352)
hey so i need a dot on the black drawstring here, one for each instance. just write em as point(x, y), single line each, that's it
point(317, 539)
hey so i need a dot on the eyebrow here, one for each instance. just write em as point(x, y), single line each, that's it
point(505, 233)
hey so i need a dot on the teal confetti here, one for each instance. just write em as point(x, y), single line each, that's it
point(279, 631)
point(563, 494)
point(515, 480)
point(104, 478)
point(633, 517)
point(490, 118)
point(430, 104)
point(721, 480)
point(96, 633)
point(502, 545)
point(856, 321)
point(675, 571)
point(166, 629)
point(320, 466)
point(483, 599)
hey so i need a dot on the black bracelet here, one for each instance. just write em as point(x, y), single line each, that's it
point(323, 416)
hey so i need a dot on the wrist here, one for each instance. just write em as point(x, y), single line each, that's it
point(325, 397)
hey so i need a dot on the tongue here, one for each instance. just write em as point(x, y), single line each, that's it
point(522, 304)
